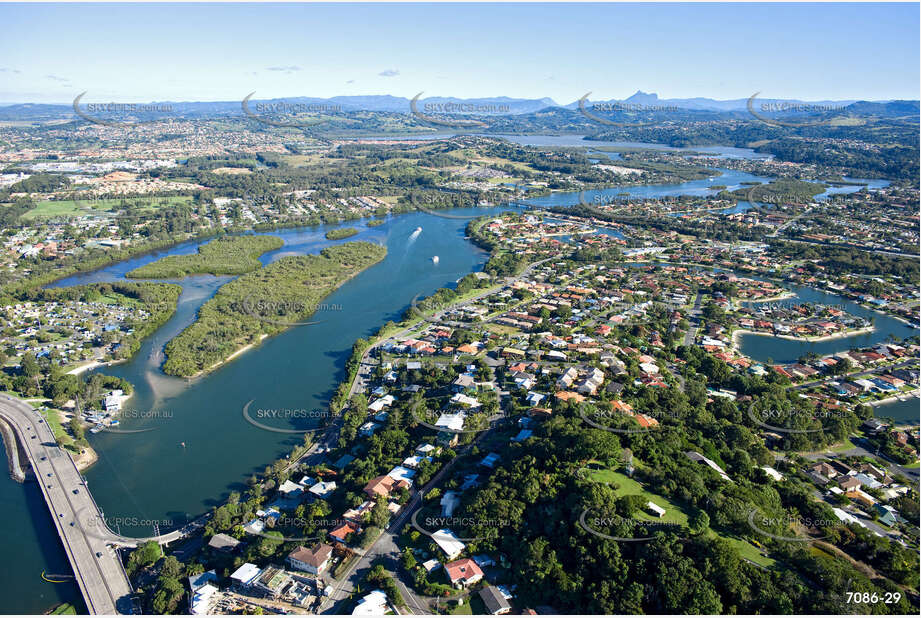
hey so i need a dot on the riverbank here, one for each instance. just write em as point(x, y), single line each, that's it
point(95, 364)
point(736, 334)
point(770, 299)
point(248, 346)
point(903, 396)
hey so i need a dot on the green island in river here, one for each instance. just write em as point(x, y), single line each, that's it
point(229, 255)
point(340, 233)
point(264, 302)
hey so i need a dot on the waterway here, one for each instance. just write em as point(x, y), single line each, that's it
point(199, 447)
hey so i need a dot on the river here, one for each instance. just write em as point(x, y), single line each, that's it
point(199, 447)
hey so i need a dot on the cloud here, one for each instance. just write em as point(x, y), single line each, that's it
point(6, 70)
point(389, 73)
point(290, 69)
point(57, 78)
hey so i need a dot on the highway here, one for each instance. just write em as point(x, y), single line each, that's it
point(97, 567)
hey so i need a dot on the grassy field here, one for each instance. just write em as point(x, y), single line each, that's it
point(625, 486)
point(75, 208)
point(54, 422)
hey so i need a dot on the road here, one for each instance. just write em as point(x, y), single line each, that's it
point(857, 374)
point(386, 549)
point(693, 320)
point(97, 567)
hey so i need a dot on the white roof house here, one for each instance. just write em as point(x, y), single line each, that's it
point(372, 604)
point(454, 422)
point(323, 488)
point(449, 543)
point(246, 574)
point(657, 510)
point(464, 400)
point(202, 598)
point(449, 502)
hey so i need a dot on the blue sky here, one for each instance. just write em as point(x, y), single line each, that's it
point(185, 52)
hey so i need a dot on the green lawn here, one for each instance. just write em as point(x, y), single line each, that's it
point(54, 422)
point(73, 208)
point(625, 486)
point(746, 550)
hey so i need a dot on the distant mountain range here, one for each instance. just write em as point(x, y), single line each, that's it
point(495, 105)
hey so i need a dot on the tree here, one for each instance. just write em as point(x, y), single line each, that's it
point(699, 522)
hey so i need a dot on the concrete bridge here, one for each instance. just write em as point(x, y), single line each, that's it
point(90, 545)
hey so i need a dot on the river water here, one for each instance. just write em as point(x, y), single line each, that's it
point(199, 446)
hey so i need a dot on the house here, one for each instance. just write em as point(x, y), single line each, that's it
point(223, 543)
point(449, 502)
point(451, 422)
point(494, 601)
point(342, 533)
point(448, 542)
point(245, 576)
point(290, 489)
point(523, 435)
point(655, 509)
point(198, 581)
point(695, 456)
point(384, 486)
point(874, 425)
point(323, 488)
point(887, 515)
point(201, 602)
point(460, 399)
point(860, 496)
point(849, 483)
point(313, 561)
point(490, 460)
point(372, 604)
point(771, 472)
point(463, 572)
point(463, 382)
point(430, 565)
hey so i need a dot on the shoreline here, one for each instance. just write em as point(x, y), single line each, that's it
point(907, 395)
point(772, 299)
point(736, 334)
point(240, 351)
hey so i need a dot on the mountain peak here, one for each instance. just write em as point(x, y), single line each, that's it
point(642, 97)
